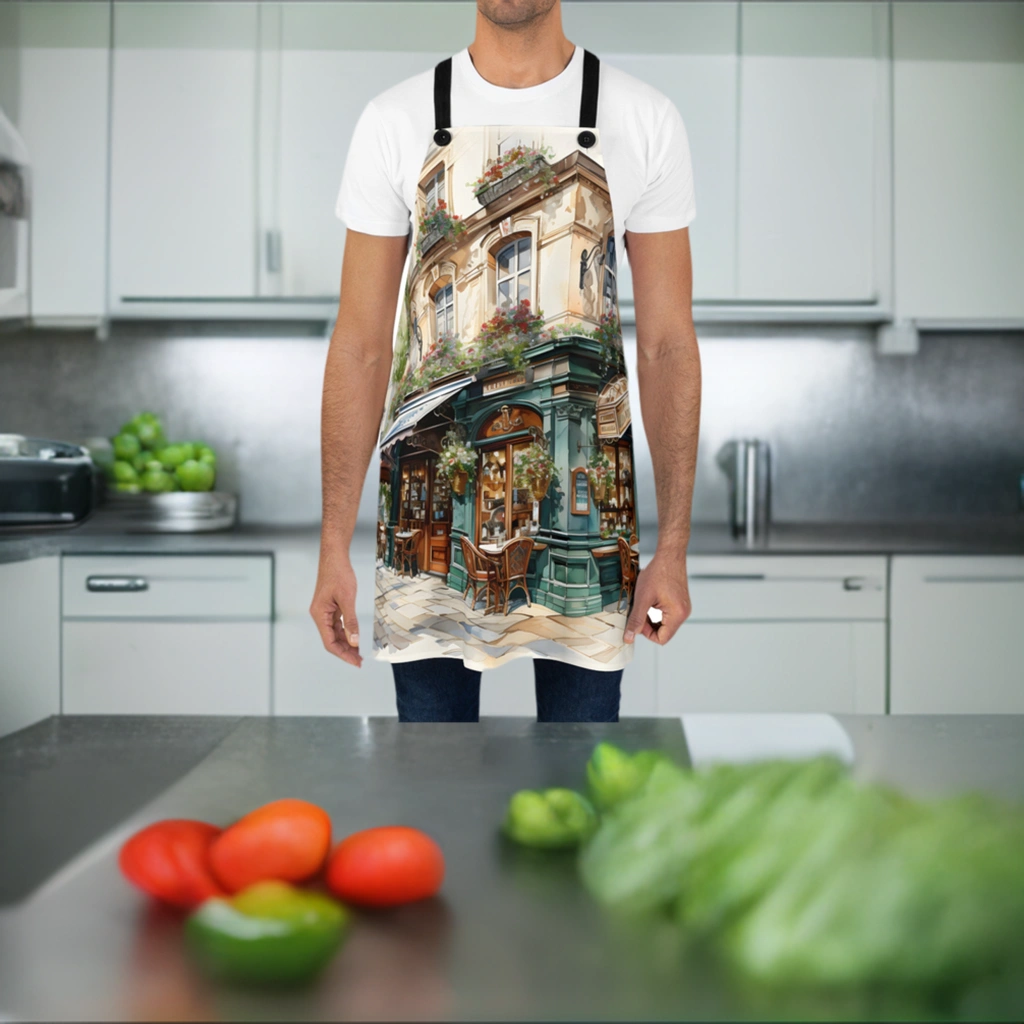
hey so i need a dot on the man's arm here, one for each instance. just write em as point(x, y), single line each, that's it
point(668, 372)
point(355, 385)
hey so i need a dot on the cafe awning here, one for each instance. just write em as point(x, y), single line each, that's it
point(412, 412)
point(613, 415)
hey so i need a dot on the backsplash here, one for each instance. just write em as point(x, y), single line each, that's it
point(855, 437)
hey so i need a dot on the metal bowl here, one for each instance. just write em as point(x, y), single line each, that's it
point(176, 512)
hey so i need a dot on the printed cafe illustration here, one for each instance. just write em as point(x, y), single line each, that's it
point(506, 476)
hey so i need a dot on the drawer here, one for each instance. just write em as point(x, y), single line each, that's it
point(188, 587)
point(751, 588)
point(166, 668)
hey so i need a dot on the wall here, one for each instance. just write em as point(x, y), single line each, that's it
point(855, 437)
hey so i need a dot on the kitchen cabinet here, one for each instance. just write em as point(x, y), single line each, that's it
point(182, 634)
point(307, 679)
point(959, 149)
point(702, 82)
point(64, 51)
point(184, 169)
point(957, 627)
point(786, 634)
point(29, 642)
point(813, 152)
point(324, 85)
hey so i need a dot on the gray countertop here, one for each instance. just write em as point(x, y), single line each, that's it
point(1005, 536)
point(512, 937)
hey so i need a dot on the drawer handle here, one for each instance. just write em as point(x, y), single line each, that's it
point(861, 583)
point(116, 584)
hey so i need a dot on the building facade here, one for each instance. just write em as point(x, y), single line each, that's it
point(509, 347)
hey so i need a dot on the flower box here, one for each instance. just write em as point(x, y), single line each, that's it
point(430, 239)
point(512, 181)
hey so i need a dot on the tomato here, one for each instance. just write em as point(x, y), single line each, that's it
point(383, 867)
point(286, 840)
point(168, 860)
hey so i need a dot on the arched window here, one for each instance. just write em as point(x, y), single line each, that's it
point(610, 288)
point(444, 310)
point(513, 264)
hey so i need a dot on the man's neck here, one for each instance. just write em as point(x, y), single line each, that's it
point(516, 58)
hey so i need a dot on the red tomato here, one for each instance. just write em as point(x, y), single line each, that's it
point(383, 867)
point(168, 860)
point(285, 840)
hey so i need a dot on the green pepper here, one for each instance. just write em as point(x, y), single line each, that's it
point(270, 933)
point(615, 776)
point(550, 818)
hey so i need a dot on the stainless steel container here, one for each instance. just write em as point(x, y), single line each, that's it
point(746, 463)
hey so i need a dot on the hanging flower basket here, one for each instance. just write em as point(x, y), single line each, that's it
point(457, 462)
point(512, 169)
point(600, 473)
point(534, 467)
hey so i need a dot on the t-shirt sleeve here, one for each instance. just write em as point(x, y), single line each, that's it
point(369, 199)
point(667, 202)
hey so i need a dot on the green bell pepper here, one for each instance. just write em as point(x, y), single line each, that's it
point(615, 776)
point(550, 818)
point(268, 934)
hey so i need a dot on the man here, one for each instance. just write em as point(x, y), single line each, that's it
point(483, 374)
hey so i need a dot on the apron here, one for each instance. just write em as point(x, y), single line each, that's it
point(507, 508)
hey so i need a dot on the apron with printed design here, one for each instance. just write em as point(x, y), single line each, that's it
point(507, 517)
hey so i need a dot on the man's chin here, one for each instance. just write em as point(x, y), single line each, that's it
point(511, 13)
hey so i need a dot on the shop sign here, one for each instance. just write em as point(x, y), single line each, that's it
point(510, 380)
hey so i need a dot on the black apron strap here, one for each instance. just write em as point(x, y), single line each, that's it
point(443, 102)
point(588, 99)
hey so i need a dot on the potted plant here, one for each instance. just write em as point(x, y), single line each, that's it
point(534, 467)
point(599, 473)
point(384, 499)
point(457, 462)
point(437, 223)
point(512, 168)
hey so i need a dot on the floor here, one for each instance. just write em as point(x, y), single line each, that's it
point(423, 617)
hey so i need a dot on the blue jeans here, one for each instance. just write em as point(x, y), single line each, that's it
point(444, 690)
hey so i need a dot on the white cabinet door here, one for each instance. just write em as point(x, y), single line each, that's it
point(779, 633)
point(308, 680)
point(811, 154)
point(959, 136)
point(183, 153)
point(63, 119)
point(131, 667)
point(701, 80)
point(29, 642)
point(957, 635)
point(834, 667)
point(324, 85)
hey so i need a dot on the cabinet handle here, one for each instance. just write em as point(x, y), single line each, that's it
point(273, 246)
point(116, 584)
point(861, 583)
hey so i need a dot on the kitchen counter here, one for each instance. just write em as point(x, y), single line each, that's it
point(514, 936)
point(982, 537)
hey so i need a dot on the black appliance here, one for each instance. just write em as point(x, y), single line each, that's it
point(44, 483)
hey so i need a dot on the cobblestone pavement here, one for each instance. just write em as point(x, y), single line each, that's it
point(422, 617)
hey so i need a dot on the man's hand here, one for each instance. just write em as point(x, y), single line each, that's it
point(334, 608)
point(661, 585)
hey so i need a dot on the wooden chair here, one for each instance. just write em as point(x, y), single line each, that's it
point(629, 563)
point(407, 554)
point(480, 572)
point(515, 562)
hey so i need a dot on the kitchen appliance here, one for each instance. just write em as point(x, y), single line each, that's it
point(747, 465)
point(44, 483)
point(14, 224)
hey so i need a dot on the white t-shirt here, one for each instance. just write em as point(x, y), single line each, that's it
point(641, 137)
